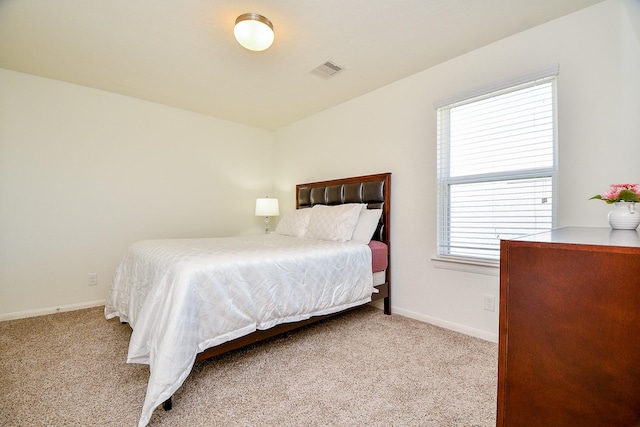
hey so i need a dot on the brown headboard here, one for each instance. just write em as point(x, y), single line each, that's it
point(374, 190)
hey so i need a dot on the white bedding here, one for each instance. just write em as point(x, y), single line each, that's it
point(184, 296)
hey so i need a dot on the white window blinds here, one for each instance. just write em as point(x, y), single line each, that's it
point(496, 169)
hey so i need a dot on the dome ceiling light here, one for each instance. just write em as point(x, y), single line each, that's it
point(253, 31)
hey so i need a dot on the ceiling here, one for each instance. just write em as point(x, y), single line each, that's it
point(182, 52)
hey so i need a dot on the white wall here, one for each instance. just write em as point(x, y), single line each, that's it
point(84, 173)
point(394, 129)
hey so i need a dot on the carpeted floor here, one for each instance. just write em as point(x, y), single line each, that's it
point(360, 369)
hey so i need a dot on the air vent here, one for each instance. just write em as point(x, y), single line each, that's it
point(327, 70)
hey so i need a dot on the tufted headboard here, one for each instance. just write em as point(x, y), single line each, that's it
point(374, 190)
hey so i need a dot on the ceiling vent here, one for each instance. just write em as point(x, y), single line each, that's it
point(327, 70)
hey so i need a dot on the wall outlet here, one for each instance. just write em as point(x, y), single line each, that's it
point(490, 303)
point(93, 279)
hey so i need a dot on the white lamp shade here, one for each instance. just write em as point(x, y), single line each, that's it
point(267, 207)
point(253, 31)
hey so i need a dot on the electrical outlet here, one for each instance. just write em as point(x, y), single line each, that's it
point(490, 303)
point(93, 279)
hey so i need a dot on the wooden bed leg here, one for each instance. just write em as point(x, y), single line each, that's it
point(167, 404)
point(387, 306)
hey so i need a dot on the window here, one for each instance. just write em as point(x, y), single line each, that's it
point(496, 169)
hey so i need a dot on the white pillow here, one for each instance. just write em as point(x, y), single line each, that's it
point(366, 226)
point(294, 223)
point(333, 222)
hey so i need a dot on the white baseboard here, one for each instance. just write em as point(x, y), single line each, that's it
point(487, 336)
point(50, 310)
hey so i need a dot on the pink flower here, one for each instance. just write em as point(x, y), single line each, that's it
point(620, 192)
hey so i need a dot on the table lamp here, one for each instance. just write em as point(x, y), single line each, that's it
point(267, 207)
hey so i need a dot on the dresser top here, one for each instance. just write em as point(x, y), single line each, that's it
point(586, 236)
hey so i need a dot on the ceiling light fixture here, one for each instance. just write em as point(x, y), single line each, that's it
point(253, 31)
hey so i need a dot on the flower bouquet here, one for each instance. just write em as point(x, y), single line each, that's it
point(620, 193)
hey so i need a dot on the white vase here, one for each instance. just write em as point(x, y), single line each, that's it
point(625, 216)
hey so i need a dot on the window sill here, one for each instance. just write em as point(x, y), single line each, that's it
point(477, 267)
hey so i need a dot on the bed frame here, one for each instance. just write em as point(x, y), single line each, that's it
point(373, 190)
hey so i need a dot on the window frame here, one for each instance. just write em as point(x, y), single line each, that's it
point(444, 258)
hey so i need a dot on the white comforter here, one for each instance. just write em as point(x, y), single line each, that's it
point(184, 296)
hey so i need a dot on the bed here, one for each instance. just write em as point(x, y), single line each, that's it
point(191, 299)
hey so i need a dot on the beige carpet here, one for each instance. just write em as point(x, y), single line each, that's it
point(361, 369)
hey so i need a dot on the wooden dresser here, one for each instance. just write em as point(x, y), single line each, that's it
point(569, 338)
